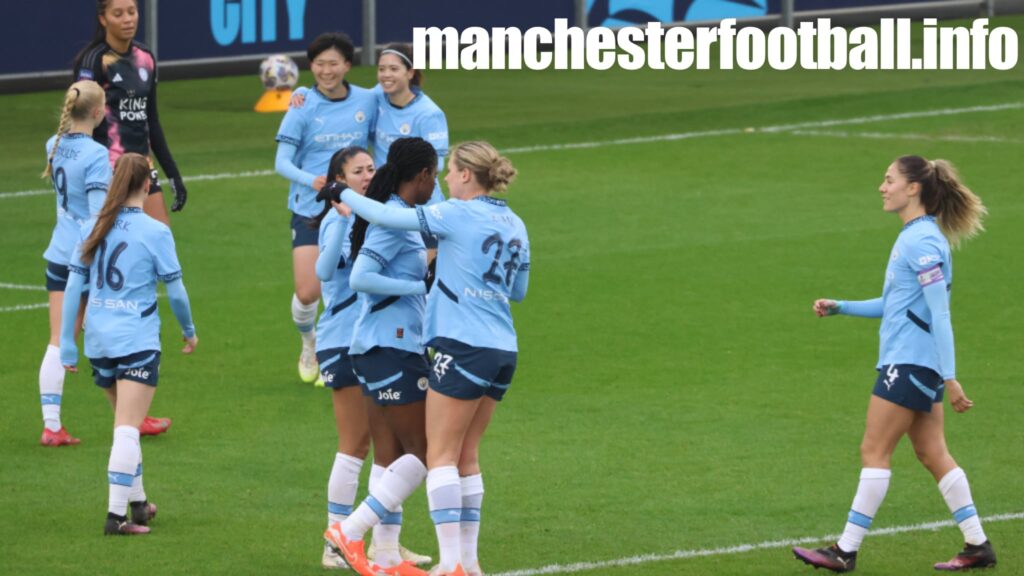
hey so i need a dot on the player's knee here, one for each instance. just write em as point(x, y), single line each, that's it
point(873, 455)
point(931, 455)
point(469, 462)
point(358, 446)
point(307, 294)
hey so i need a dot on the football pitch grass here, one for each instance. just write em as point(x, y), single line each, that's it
point(675, 394)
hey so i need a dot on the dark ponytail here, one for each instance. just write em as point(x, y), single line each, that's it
point(335, 168)
point(385, 183)
point(407, 158)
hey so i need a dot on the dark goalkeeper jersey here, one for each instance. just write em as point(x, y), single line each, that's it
point(132, 123)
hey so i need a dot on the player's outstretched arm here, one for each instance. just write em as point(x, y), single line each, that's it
point(936, 296)
point(863, 308)
point(328, 260)
point(178, 298)
point(381, 214)
point(284, 164)
point(72, 300)
point(367, 277)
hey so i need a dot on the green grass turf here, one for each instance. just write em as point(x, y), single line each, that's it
point(674, 391)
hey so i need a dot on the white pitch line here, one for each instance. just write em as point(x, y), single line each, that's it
point(9, 286)
point(198, 178)
point(896, 136)
point(899, 116)
point(730, 550)
point(644, 139)
point(22, 307)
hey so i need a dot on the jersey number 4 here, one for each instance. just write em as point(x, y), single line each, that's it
point(502, 272)
point(112, 276)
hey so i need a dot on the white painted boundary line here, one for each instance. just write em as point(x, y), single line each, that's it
point(9, 286)
point(896, 136)
point(22, 307)
point(730, 550)
point(643, 139)
point(200, 177)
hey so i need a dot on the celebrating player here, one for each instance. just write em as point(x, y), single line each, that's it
point(123, 255)
point(483, 263)
point(353, 418)
point(336, 116)
point(916, 362)
point(404, 110)
point(127, 71)
point(388, 356)
point(80, 171)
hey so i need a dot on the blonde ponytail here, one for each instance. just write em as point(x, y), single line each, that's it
point(80, 100)
point(492, 171)
point(959, 211)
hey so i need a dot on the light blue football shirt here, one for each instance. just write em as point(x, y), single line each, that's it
point(334, 328)
point(121, 313)
point(81, 174)
point(920, 256)
point(319, 129)
point(483, 248)
point(421, 118)
point(392, 321)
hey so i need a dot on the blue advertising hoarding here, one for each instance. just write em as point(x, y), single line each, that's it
point(46, 34)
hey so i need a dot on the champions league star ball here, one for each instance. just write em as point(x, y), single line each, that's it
point(279, 72)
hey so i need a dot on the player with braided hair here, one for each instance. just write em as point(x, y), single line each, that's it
point(79, 170)
point(388, 355)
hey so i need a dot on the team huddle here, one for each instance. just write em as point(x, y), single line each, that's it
point(415, 339)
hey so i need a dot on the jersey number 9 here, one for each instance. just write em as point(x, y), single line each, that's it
point(60, 184)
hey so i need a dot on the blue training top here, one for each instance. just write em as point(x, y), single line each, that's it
point(421, 117)
point(920, 258)
point(390, 317)
point(310, 135)
point(121, 316)
point(80, 174)
point(483, 263)
point(914, 307)
point(334, 328)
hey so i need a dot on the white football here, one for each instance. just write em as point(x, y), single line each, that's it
point(279, 72)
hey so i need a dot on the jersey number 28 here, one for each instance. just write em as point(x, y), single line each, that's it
point(495, 274)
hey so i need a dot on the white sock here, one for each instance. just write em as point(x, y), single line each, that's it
point(957, 493)
point(342, 486)
point(51, 387)
point(138, 493)
point(469, 526)
point(125, 456)
point(387, 532)
point(874, 483)
point(395, 485)
point(304, 316)
point(444, 492)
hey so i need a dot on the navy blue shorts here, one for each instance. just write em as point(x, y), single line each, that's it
point(393, 377)
point(56, 277)
point(303, 234)
point(336, 368)
point(909, 385)
point(142, 367)
point(468, 372)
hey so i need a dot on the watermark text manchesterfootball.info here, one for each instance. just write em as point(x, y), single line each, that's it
point(812, 46)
